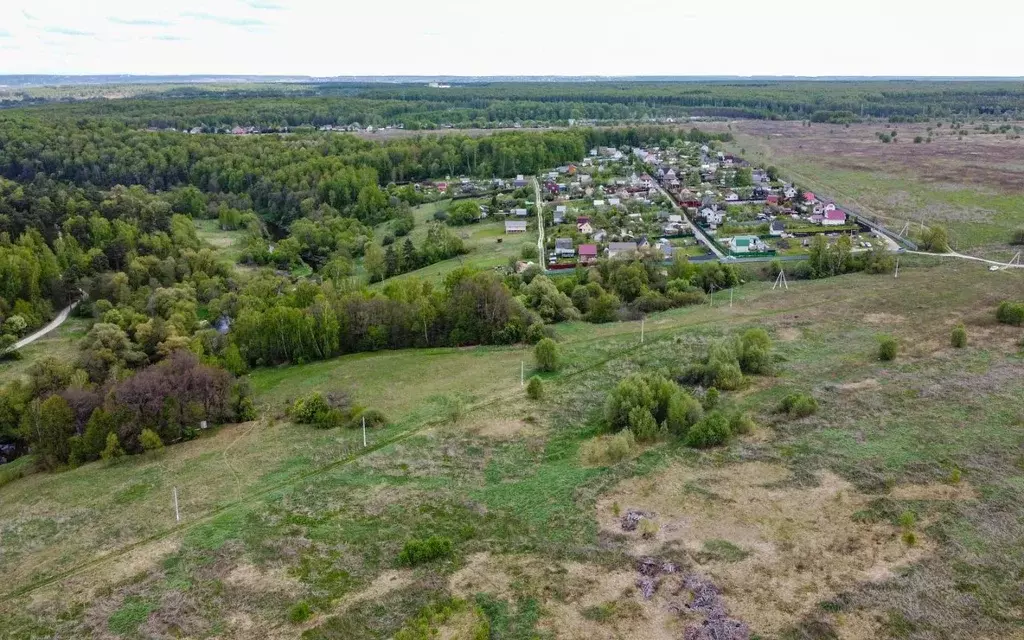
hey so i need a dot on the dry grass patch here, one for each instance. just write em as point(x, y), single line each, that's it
point(571, 592)
point(869, 383)
point(884, 319)
point(934, 491)
point(498, 428)
point(250, 578)
point(385, 583)
point(802, 542)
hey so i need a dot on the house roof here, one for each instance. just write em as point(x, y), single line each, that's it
point(563, 243)
point(809, 197)
point(515, 224)
point(621, 246)
point(835, 214)
point(777, 225)
point(588, 249)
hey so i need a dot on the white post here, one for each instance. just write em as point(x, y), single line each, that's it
point(177, 514)
point(897, 274)
point(364, 431)
point(642, 320)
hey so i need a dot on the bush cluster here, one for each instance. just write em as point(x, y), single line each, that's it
point(651, 405)
point(799, 405)
point(729, 359)
point(328, 412)
point(1010, 313)
point(605, 450)
point(535, 388)
point(419, 551)
point(959, 336)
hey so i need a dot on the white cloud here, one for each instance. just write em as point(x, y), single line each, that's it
point(528, 37)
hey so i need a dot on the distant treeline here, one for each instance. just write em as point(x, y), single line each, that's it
point(480, 104)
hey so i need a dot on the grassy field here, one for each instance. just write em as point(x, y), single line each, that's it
point(802, 523)
point(969, 184)
point(226, 243)
point(488, 244)
point(60, 343)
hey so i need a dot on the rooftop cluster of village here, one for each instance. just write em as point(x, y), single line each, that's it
point(686, 199)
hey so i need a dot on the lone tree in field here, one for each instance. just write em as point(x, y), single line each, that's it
point(887, 348)
point(935, 239)
point(959, 336)
point(546, 353)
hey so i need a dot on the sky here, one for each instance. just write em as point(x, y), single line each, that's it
point(528, 37)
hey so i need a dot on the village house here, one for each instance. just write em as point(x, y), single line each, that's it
point(776, 228)
point(515, 226)
point(560, 212)
point(621, 249)
point(789, 192)
point(520, 181)
point(833, 218)
point(747, 244)
point(731, 197)
point(773, 200)
point(588, 253)
point(564, 248)
point(600, 235)
point(521, 213)
point(712, 217)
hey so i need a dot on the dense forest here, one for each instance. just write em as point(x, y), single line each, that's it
point(494, 104)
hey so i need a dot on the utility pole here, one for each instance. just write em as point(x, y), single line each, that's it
point(364, 431)
point(177, 514)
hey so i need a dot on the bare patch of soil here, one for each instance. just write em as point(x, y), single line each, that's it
point(797, 545)
point(788, 334)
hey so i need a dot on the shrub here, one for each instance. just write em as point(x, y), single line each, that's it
point(310, 409)
point(638, 401)
point(1010, 313)
point(712, 431)
point(453, 407)
point(374, 418)
point(605, 450)
point(887, 348)
point(1018, 236)
point(113, 451)
point(741, 423)
point(417, 551)
point(711, 398)
point(546, 354)
point(799, 405)
point(535, 388)
point(643, 424)
point(648, 528)
point(299, 612)
point(755, 352)
point(959, 336)
point(529, 252)
point(150, 441)
point(684, 411)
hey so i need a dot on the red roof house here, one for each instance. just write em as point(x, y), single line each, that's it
point(587, 253)
point(834, 217)
point(809, 197)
